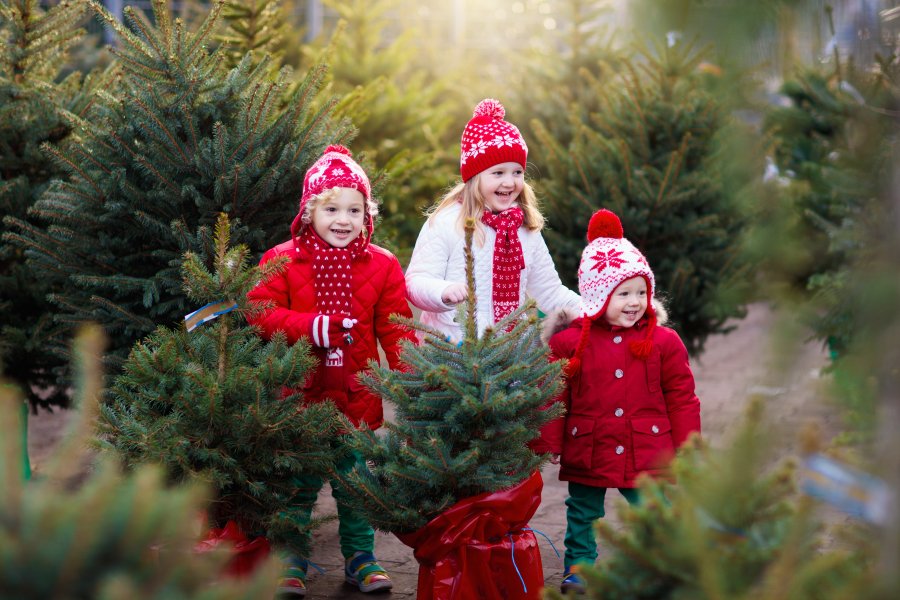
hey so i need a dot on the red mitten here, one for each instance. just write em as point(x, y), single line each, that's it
point(331, 331)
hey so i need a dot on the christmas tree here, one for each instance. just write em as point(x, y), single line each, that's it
point(831, 148)
point(563, 70)
point(96, 533)
point(206, 402)
point(178, 141)
point(733, 527)
point(651, 154)
point(398, 95)
point(453, 476)
point(257, 26)
point(33, 91)
point(465, 414)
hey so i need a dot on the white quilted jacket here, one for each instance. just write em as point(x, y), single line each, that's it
point(438, 260)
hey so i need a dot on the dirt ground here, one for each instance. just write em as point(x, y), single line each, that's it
point(732, 368)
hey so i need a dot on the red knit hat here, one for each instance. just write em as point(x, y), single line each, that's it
point(334, 169)
point(488, 140)
point(608, 260)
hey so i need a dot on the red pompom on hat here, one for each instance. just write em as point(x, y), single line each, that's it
point(334, 169)
point(604, 223)
point(488, 140)
point(608, 260)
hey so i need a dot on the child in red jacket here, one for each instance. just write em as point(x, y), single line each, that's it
point(338, 291)
point(630, 399)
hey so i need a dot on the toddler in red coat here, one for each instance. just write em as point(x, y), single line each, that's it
point(630, 400)
point(338, 291)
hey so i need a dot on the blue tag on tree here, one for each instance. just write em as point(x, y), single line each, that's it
point(848, 489)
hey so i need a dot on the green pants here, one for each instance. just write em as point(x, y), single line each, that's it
point(355, 532)
point(583, 507)
point(26, 464)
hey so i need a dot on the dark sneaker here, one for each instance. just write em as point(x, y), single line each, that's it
point(571, 581)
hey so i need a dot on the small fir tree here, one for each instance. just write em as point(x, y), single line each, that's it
point(257, 26)
point(558, 91)
point(733, 527)
point(33, 89)
point(831, 211)
point(403, 105)
point(465, 413)
point(96, 533)
point(180, 140)
point(651, 155)
point(206, 404)
point(833, 152)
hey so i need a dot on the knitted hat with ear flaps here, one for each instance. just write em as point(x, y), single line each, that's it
point(608, 260)
point(488, 140)
point(334, 169)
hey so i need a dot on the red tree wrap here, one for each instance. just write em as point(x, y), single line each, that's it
point(473, 549)
point(247, 554)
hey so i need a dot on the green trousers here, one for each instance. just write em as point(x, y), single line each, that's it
point(355, 532)
point(26, 464)
point(583, 507)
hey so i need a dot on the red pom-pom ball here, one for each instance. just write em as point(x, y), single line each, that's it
point(338, 148)
point(604, 223)
point(489, 108)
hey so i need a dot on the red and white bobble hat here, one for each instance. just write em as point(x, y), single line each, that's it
point(488, 140)
point(608, 260)
point(334, 169)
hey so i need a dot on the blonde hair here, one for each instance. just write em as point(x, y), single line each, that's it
point(473, 204)
point(331, 193)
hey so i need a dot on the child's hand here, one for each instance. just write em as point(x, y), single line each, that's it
point(454, 293)
point(554, 459)
point(332, 331)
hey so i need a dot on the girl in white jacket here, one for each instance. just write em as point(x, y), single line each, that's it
point(511, 258)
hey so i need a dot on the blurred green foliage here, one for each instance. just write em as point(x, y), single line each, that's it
point(734, 527)
point(80, 529)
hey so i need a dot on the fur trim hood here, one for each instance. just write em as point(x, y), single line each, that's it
point(561, 318)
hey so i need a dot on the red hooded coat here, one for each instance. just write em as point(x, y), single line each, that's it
point(379, 290)
point(624, 416)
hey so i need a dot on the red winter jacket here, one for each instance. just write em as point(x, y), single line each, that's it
point(624, 416)
point(379, 290)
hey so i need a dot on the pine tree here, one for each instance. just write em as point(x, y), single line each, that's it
point(33, 88)
point(733, 527)
point(206, 404)
point(831, 212)
point(465, 413)
point(96, 533)
point(403, 105)
point(833, 152)
point(651, 155)
point(258, 26)
point(180, 140)
point(558, 90)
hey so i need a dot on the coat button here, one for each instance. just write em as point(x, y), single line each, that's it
point(620, 373)
point(654, 429)
point(574, 431)
point(617, 339)
point(620, 449)
point(619, 412)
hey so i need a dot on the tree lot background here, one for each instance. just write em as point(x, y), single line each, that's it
point(776, 118)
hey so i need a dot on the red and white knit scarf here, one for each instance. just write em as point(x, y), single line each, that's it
point(508, 259)
point(332, 275)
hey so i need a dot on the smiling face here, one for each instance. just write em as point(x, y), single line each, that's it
point(340, 219)
point(628, 302)
point(501, 185)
